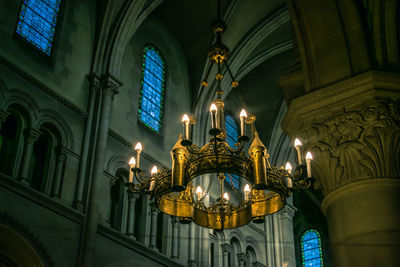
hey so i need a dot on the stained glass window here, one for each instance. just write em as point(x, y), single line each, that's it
point(152, 93)
point(311, 249)
point(232, 137)
point(37, 22)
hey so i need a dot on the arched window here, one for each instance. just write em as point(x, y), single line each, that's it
point(151, 103)
point(44, 161)
point(37, 23)
point(9, 138)
point(117, 194)
point(232, 136)
point(311, 248)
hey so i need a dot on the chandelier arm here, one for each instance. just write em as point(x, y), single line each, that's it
point(194, 149)
point(234, 81)
point(239, 148)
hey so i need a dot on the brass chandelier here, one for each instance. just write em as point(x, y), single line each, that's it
point(267, 186)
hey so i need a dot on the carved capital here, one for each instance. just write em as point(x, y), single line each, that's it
point(243, 257)
point(32, 135)
point(94, 83)
point(356, 144)
point(110, 85)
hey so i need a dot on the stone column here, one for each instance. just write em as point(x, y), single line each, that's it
point(192, 261)
point(60, 162)
point(287, 238)
point(94, 86)
point(131, 214)
point(226, 248)
point(153, 230)
point(88, 240)
point(32, 136)
point(353, 130)
point(175, 237)
point(243, 259)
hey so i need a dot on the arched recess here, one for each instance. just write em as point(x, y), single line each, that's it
point(130, 16)
point(117, 162)
point(252, 255)
point(47, 116)
point(251, 242)
point(44, 159)
point(11, 136)
point(118, 199)
point(237, 249)
point(18, 247)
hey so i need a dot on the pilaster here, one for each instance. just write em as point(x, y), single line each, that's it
point(352, 128)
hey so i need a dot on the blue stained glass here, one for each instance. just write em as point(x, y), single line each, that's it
point(37, 22)
point(151, 100)
point(311, 249)
point(232, 135)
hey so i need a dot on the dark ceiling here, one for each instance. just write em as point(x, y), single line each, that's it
point(259, 92)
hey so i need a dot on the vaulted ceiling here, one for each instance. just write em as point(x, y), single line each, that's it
point(260, 40)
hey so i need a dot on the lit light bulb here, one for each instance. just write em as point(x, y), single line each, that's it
point(199, 192)
point(138, 147)
point(297, 143)
point(247, 188)
point(288, 167)
point(243, 114)
point(132, 163)
point(246, 192)
point(213, 107)
point(154, 170)
point(309, 159)
point(226, 196)
point(185, 118)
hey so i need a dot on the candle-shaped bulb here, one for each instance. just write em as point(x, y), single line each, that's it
point(247, 188)
point(246, 192)
point(154, 170)
point(213, 107)
point(297, 143)
point(185, 118)
point(288, 167)
point(199, 192)
point(308, 159)
point(213, 111)
point(132, 162)
point(243, 114)
point(138, 147)
point(226, 196)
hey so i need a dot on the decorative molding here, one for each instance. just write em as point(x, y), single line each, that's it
point(357, 144)
point(40, 199)
point(136, 246)
point(255, 228)
point(37, 83)
point(341, 95)
point(21, 229)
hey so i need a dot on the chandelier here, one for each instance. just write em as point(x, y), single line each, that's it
point(267, 187)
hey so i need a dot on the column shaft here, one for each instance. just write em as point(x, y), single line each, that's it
point(153, 231)
point(32, 136)
point(131, 215)
point(93, 89)
point(60, 162)
point(110, 87)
